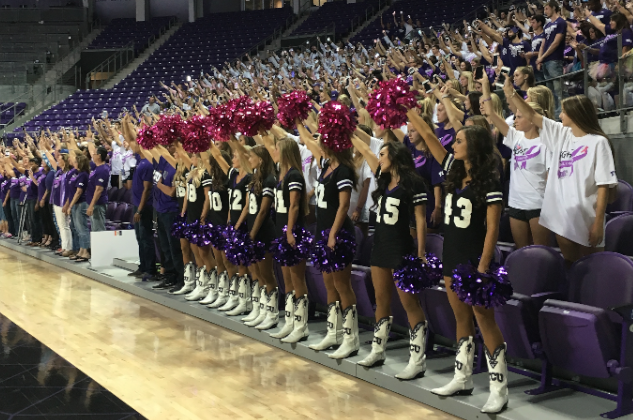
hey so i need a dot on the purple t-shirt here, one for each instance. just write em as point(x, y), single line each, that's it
point(559, 26)
point(446, 137)
point(4, 183)
point(32, 188)
point(25, 183)
point(511, 53)
point(144, 172)
point(609, 47)
point(59, 178)
point(14, 190)
point(164, 172)
point(41, 187)
point(81, 181)
point(71, 176)
point(99, 177)
point(537, 40)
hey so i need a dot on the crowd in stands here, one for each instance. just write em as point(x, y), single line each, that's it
point(482, 141)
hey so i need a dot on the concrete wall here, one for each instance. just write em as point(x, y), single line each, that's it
point(106, 10)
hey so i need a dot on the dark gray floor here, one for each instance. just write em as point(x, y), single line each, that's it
point(558, 405)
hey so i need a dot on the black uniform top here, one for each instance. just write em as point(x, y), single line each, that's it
point(181, 190)
point(327, 196)
point(293, 181)
point(219, 204)
point(465, 222)
point(237, 194)
point(255, 201)
point(394, 213)
point(195, 197)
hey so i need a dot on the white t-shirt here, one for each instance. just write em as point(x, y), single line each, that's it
point(375, 145)
point(528, 166)
point(579, 166)
point(363, 173)
point(116, 162)
point(129, 162)
point(310, 169)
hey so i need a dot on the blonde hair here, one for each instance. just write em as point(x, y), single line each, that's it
point(544, 98)
point(426, 106)
point(196, 172)
point(471, 82)
point(497, 105)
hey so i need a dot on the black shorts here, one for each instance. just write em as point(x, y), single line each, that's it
point(523, 215)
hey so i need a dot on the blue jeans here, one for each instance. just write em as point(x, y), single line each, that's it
point(16, 212)
point(538, 75)
point(97, 220)
point(552, 69)
point(172, 254)
point(80, 221)
point(145, 239)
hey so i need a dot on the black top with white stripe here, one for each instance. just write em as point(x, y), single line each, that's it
point(219, 204)
point(237, 194)
point(327, 195)
point(292, 181)
point(255, 200)
point(464, 220)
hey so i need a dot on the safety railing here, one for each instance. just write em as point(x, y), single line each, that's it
point(102, 73)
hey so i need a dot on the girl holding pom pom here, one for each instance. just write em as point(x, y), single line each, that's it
point(260, 198)
point(472, 211)
point(291, 208)
point(400, 196)
point(333, 192)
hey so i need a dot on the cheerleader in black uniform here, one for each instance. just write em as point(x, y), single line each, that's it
point(291, 208)
point(260, 197)
point(239, 176)
point(400, 199)
point(472, 209)
point(218, 165)
point(333, 192)
point(195, 207)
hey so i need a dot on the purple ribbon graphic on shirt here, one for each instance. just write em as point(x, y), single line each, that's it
point(420, 161)
point(521, 161)
point(446, 139)
point(576, 155)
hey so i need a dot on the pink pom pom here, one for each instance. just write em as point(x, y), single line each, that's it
point(147, 137)
point(293, 105)
point(336, 125)
point(221, 121)
point(388, 105)
point(196, 134)
point(255, 117)
point(169, 129)
point(240, 103)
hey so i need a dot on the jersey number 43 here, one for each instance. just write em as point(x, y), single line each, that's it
point(461, 220)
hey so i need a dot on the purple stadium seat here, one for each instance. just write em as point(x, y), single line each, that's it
point(127, 196)
point(118, 196)
point(435, 244)
point(365, 253)
point(111, 193)
point(314, 282)
point(361, 276)
point(619, 234)
point(624, 201)
point(127, 222)
point(110, 210)
point(590, 333)
point(118, 217)
point(537, 273)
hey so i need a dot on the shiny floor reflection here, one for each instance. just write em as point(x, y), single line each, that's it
point(35, 382)
point(168, 365)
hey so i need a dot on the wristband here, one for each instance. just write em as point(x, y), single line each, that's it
point(446, 96)
point(486, 100)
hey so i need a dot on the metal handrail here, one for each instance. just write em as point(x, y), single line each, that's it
point(115, 63)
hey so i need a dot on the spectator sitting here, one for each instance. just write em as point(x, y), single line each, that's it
point(151, 107)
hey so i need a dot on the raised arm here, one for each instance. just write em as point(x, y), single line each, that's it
point(363, 149)
point(218, 157)
point(309, 141)
point(435, 147)
point(497, 121)
point(521, 105)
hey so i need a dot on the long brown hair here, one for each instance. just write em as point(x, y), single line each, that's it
point(290, 157)
point(83, 164)
point(266, 168)
point(218, 176)
point(345, 158)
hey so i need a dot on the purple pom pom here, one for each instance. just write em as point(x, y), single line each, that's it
point(178, 227)
point(191, 232)
point(330, 260)
point(205, 234)
point(413, 276)
point(289, 256)
point(239, 248)
point(220, 236)
point(490, 289)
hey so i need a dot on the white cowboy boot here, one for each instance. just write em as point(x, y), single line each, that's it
point(201, 284)
point(212, 288)
point(498, 371)
point(263, 305)
point(462, 382)
point(223, 291)
point(233, 300)
point(351, 342)
point(255, 293)
point(334, 335)
point(289, 315)
point(243, 297)
point(379, 344)
point(190, 280)
point(417, 356)
point(268, 317)
point(300, 331)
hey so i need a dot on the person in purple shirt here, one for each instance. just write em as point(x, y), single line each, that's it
point(550, 57)
point(512, 47)
point(58, 201)
point(430, 171)
point(78, 206)
point(142, 182)
point(4, 189)
point(30, 204)
point(96, 192)
point(14, 201)
point(166, 206)
point(69, 187)
point(537, 23)
point(45, 188)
